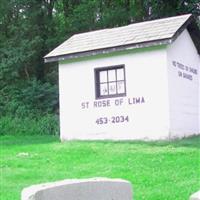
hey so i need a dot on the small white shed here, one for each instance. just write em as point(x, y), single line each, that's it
point(140, 81)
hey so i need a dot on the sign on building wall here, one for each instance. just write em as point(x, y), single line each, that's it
point(110, 91)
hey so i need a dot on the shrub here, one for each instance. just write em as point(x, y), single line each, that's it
point(44, 125)
point(28, 97)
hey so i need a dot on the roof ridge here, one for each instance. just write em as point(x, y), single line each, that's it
point(136, 35)
point(135, 24)
point(162, 19)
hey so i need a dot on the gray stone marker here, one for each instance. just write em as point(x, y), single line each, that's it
point(195, 196)
point(83, 189)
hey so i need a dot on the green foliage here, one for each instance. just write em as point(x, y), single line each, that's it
point(38, 95)
point(157, 171)
point(28, 98)
point(29, 29)
point(44, 125)
point(162, 8)
point(26, 83)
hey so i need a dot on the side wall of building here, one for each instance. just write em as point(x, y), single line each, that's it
point(141, 114)
point(184, 72)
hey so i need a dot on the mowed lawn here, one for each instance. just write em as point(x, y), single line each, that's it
point(157, 170)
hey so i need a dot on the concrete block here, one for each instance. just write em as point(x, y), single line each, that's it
point(195, 196)
point(80, 189)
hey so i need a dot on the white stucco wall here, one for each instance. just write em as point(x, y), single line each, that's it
point(184, 88)
point(146, 78)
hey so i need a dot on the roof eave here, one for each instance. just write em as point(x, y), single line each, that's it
point(108, 50)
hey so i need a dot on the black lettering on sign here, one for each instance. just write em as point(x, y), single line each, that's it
point(85, 105)
point(118, 102)
point(102, 120)
point(136, 100)
point(174, 63)
point(185, 71)
point(103, 103)
point(187, 76)
point(192, 70)
point(180, 73)
point(119, 119)
point(112, 120)
point(180, 66)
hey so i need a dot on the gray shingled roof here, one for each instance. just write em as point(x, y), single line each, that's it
point(162, 31)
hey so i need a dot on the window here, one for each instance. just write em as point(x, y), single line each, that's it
point(110, 81)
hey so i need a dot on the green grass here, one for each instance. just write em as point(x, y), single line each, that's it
point(157, 170)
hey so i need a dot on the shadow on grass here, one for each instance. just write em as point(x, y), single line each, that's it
point(192, 142)
point(10, 140)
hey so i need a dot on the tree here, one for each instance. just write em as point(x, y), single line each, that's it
point(29, 29)
point(26, 32)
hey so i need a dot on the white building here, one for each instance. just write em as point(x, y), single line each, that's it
point(140, 81)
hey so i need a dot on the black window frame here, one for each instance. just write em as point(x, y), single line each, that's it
point(97, 81)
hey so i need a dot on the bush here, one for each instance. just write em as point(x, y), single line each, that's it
point(30, 97)
point(44, 125)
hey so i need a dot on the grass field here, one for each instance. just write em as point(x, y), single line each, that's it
point(157, 170)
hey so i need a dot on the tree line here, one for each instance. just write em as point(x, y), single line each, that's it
point(29, 29)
